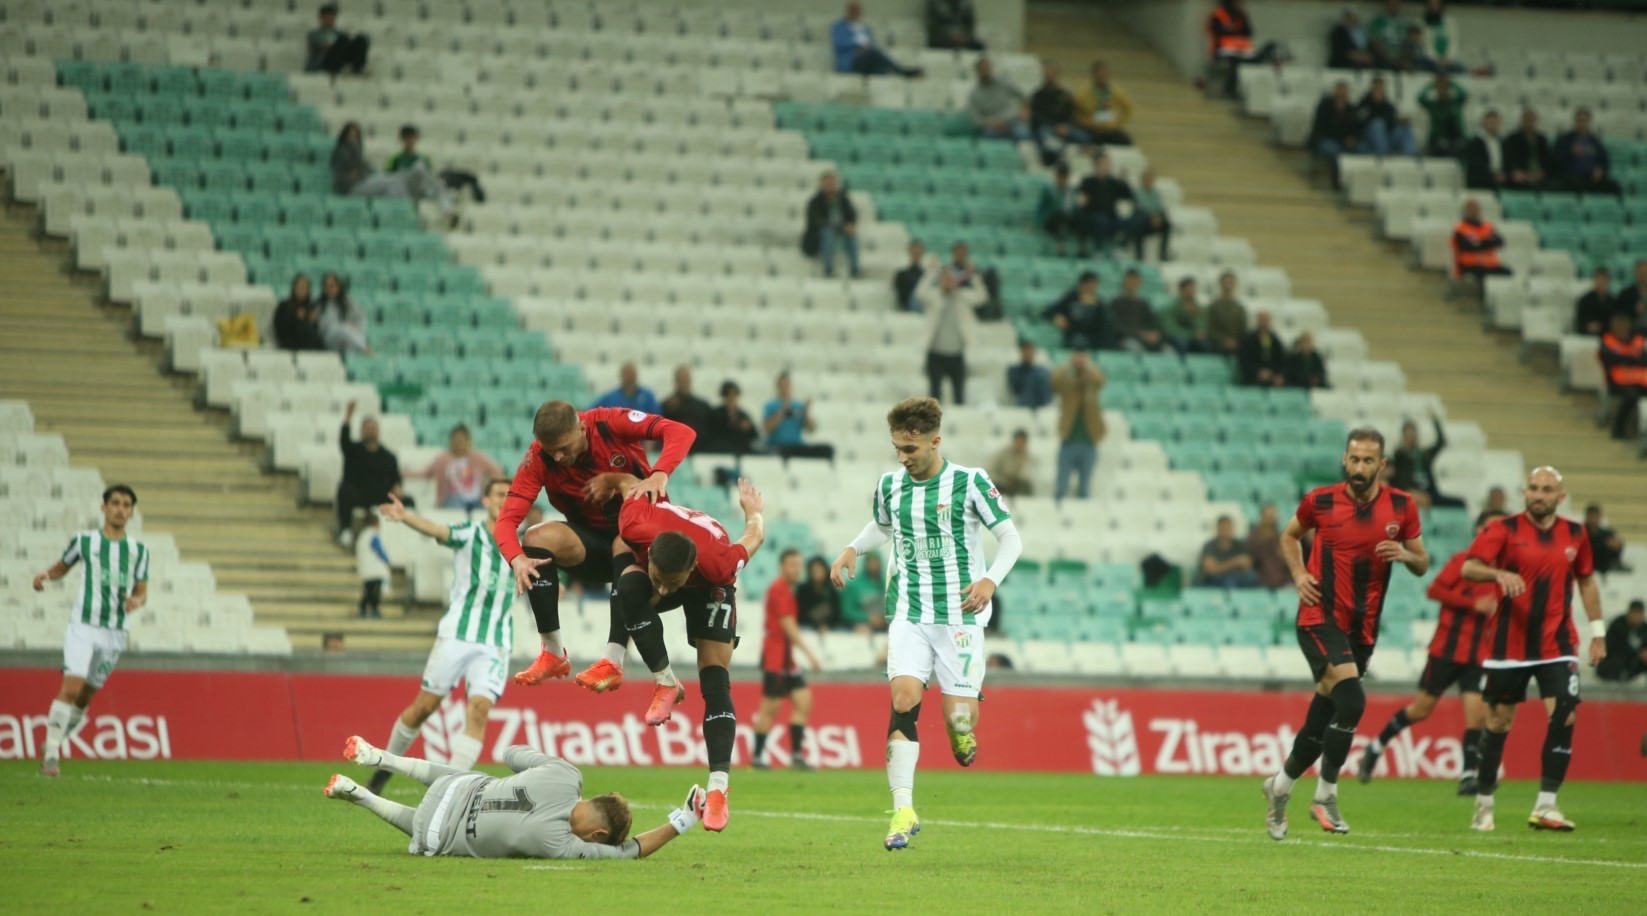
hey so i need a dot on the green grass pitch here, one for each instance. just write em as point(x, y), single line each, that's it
point(246, 838)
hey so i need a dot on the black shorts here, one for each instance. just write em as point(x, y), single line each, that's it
point(596, 568)
point(711, 613)
point(1441, 673)
point(1556, 681)
point(1325, 645)
point(776, 685)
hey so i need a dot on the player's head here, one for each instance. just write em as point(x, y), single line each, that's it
point(790, 568)
point(1545, 491)
point(1487, 517)
point(603, 819)
point(497, 490)
point(670, 561)
point(119, 502)
point(559, 433)
point(915, 424)
point(459, 442)
point(1363, 458)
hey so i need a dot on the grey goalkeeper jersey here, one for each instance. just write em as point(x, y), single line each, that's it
point(524, 816)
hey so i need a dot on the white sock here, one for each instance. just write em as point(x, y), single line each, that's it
point(1376, 747)
point(551, 643)
point(1283, 783)
point(1545, 800)
point(717, 780)
point(900, 771)
point(415, 767)
point(57, 727)
point(614, 653)
point(465, 751)
point(393, 812)
point(1325, 791)
point(960, 721)
point(77, 714)
point(401, 738)
point(666, 677)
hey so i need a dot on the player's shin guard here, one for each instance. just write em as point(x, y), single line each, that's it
point(544, 595)
point(1558, 747)
point(57, 727)
point(1398, 723)
point(1472, 750)
point(1306, 745)
point(720, 720)
point(797, 742)
point(633, 594)
point(617, 631)
point(1349, 702)
point(1492, 754)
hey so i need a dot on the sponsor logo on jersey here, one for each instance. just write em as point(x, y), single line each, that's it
point(1392, 529)
point(933, 548)
point(619, 461)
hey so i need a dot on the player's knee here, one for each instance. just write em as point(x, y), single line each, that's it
point(903, 721)
point(479, 707)
point(621, 562)
point(1420, 709)
point(1565, 714)
point(634, 590)
point(1349, 700)
point(714, 682)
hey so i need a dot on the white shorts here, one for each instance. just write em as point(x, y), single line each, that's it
point(91, 652)
point(483, 668)
point(955, 652)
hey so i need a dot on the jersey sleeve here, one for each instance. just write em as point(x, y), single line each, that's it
point(723, 564)
point(1306, 513)
point(780, 603)
point(1584, 564)
point(524, 488)
point(1488, 546)
point(638, 425)
point(575, 848)
point(72, 554)
point(460, 534)
point(984, 498)
point(1450, 587)
point(141, 573)
point(1411, 528)
point(879, 503)
point(636, 524)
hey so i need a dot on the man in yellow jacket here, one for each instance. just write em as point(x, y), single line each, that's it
point(1102, 109)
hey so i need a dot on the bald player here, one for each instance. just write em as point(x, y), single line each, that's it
point(1535, 557)
point(538, 813)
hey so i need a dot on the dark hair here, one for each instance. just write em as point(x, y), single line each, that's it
point(916, 416)
point(1593, 507)
point(292, 294)
point(495, 481)
point(1636, 605)
point(460, 428)
point(787, 553)
point(1020, 432)
point(553, 420)
point(1365, 434)
point(673, 552)
point(1131, 272)
point(1062, 168)
point(328, 8)
point(408, 130)
point(1582, 111)
point(615, 812)
point(729, 386)
point(1488, 515)
point(1086, 276)
point(1601, 270)
point(1185, 282)
point(1224, 518)
point(343, 133)
point(119, 488)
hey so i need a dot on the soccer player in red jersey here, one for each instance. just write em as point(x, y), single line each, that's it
point(682, 558)
point(1362, 529)
point(569, 450)
point(781, 678)
point(1455, 658)
point(1536, 557)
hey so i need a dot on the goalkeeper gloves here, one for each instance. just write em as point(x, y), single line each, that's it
point(689, 813)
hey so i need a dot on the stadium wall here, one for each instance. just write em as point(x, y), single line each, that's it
point(152, 715)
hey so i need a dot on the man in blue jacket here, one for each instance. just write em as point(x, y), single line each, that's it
point(855, 49)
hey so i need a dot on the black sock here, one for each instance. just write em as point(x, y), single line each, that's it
point(1492, 754)
point(760, 744)
point(616, 618)
point(1558, 752)
point(797, 741)
point(633, 595)
point(544, 595)
point(1472, 750)
point(1349, 702)
point(1397, 724)
point(720, 720)
point(1306, 746)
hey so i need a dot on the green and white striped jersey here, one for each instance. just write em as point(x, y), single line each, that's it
point(112, 571)
point(483, 587)
point(937, 541)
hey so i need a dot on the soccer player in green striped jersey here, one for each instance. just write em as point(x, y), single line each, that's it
point(475, 635)
point(938, 594)
point(114, 582)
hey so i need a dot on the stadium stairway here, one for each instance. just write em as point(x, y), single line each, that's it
point(1225, 163)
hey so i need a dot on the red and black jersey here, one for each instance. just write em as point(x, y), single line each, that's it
point(1353, 579)
point(617, 440)
point(1537, 625)
point(719, 560)
point(1459, 634)
point(777, 653)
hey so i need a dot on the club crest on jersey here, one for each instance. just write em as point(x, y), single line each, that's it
point(1392, 529)
point(943, 513)
point(619, 461)
point(635, 416)
point(1572, 553)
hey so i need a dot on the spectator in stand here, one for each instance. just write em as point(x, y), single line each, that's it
point(1444, 101)
point(1526, 156)
point(409, 160)
point(1414, 466)
point(1475, 245)
point(855, 49)
point(342, 322)
point(1059, 212)
point(998, 109)
point(1335, 128)
point(1387, 31)
point(1606, 547)
point(1384, 130)
point(370, 473)
point(1229, 42)
point(1102, 109)
point(729, 429)
point(1185, 322)
point(1348, 47)
point(1086, 322)
point(906, 281)
point(1149, 213)
point(1052, 118)
point(952, 25)
point(971, 275)
point(1224, 561)
point(788, 421)
point(352, 175)
point(1498, 503)
point(1135, 319)
point(831, 223)
point(1633, 301)
point(684, 407)
point(1098, 196)
point(332, 50)
point(863, 601)
point(461, 472)
point(372, 566)
point(1579, 161)
point(297, 319)
point(1624, 362)
point(1262, 359)
point(630, 393)
point(1226, 317)
point(1594, 312)
point(1079, 385)
point(951, 311)
point(816, 599)
point(1626, 657)
point(1028, 382)
point(416, 174)
point(1264, 546)
point(1484, 156)
point(1440, 38)
point(1012, 471)
point(1305, 367)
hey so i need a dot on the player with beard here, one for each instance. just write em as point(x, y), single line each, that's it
point(1362, 529)
point(1535, 557)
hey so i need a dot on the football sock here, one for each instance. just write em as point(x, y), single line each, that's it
point(633, 596)
point(1492, 754)
point(465, 751)
point(900, 771)
point(393, 812)
point(544, 595)
point(797, 742)
point(401, 738)
point(1325, 791)
point(1558, 751)
point(666, 677)
point(1545, 800)
point(77, 714)
point(1306, 745)
point(717, 780)
point(1397, 724)
point(616, 632)
point(57, 727)
point(760, 745)
point(417, 768)
point(551, 643)
point(1349, 702)
point(1472, 750)
point(614, 653)
point(960, 721)
point(720, 720)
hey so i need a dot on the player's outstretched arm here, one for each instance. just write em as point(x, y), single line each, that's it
point(519, 758)
point(395, 511)
point(871, 538)
point(754, 523)
point(1590, 594)
point(52, 573)
point(1292, 551)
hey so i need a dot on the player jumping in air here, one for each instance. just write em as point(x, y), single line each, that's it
point(1536, 557)
point(569, 450)
point(474, 636)
point(1362, 529)
point(781, 678)
point(938, 593)
point(1455, 658)
point(684, 558)
point(538, 813)
point(113, 583)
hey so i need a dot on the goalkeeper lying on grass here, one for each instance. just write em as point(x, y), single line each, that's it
point(538, 813)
